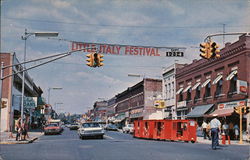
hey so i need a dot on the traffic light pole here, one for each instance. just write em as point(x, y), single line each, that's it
point(2, 77)
point(223, 34)
point(241, 142)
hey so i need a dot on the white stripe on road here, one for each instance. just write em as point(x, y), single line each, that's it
point(108, 137)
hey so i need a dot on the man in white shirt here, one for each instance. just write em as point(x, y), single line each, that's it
point(215, 128)
point(204, 130)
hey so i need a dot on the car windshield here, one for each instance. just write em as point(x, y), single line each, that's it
point(90, 125)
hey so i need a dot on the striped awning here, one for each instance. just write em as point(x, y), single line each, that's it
point(217, 79)
point(231, 75)
point(179, 91)
point(187, 88)
point(196, 85)
point(205, 83)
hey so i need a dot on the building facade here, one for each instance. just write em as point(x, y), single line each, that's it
point(12, 93)
point(216, 85)
point(169, 90)
point(137, 102)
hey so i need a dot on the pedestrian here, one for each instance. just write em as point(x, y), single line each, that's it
point(236, 131)
point(26, 126)
point(215, 129)
point(248, 132)
point(24, 132)
point(18, 128)
point(204, 130)
point(225, 131)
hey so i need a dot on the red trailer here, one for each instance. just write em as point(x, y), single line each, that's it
point(174, 130)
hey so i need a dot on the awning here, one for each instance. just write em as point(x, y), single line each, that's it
point(199, 111)
point(231, 75)
point(217, 79)
point(222, 112)
point(205, 83)
point(196, 85)
point(186, 89)
point(179, 91)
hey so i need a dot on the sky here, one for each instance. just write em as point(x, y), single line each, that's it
point(159, 23)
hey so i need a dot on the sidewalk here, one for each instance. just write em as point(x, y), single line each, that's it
point(33, 135)
point(233, 142)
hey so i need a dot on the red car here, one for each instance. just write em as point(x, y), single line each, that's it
point(52, 128)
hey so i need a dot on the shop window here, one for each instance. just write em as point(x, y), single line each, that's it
point(198, 92)
point(233, 84)
point(219, 87)
point(189, 94)
point(208, 90)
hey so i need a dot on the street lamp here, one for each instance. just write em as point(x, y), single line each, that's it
point(57, 104)
point(53, 88)
point(25, 37)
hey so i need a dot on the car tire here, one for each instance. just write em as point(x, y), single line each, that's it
point(101, 137)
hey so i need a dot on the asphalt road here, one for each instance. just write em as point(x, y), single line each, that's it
point(116, 146)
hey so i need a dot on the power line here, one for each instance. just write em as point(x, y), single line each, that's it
point(120, 26)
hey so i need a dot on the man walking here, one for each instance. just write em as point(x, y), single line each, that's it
point(215, 128)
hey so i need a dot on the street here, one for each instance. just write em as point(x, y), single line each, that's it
point(114, 146)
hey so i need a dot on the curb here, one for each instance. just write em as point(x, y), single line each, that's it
point(20, 142)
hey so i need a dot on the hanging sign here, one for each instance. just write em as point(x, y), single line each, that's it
point(115, 49)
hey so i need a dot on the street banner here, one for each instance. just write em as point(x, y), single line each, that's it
point(116, 49)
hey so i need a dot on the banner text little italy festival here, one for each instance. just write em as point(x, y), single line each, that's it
point(128, 50)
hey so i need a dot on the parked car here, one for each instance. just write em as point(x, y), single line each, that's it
point(90, 129)
point(74, 126)
point(129, 128)
point(111, 127)
point(52, 128)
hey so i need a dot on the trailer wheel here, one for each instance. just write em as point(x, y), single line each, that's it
point(193, 141)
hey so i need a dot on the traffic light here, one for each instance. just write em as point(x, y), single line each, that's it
point(237, 110)
point(247, 109)
point(205, 50)
point(4, 103)
point(90, 60)
point(215, 50)
point(98, 60)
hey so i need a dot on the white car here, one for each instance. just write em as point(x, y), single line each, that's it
point(90, 129)
point(129, 128)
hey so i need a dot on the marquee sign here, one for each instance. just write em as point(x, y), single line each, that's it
point(115, 49)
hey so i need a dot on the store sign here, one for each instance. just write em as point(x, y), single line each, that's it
point(30, 102)
point(159, 104)
point(181, 104)
point(136, 113)
point(241, 87)
point(231, 105)
point(114, 49)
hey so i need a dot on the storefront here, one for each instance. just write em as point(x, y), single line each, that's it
point(136, 114)
point(226, 114)
point(198, 112)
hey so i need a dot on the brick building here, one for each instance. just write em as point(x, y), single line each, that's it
point(137, 102)
point(100, 109)
point(214, 86)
